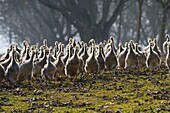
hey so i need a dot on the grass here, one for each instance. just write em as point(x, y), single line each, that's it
point(128, 92)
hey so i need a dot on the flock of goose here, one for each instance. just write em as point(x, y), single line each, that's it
point(78, 58)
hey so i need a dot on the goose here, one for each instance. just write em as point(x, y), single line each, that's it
point(6, 62)
point(49, 69)
point(104, 42)
point(45, 44)
point(41, 53)
point(131, 60)
point(108, 46)
point(120, 49)
point(2, 72)
point(12, 69)
point(5, 56)
point(55, 49)
point(91, 64)
point(59, 65)
point(111, 59)
point(72, 64)
point(60, 49)
point(156, 48)
point(167, 59)
point(26, 56)
point(67, 55)
point(90, 44)
point(18, 49)
point(122, 56)
point(18, 56)
point(146, 49)
point(112, 41)
point(165, 43)
point(152, 60)
point(23, 51)
point(141, 57)
point(101, 58)
point(83, 57)
point(85, 54)
point(6, 59)
point(81, 48)
point(26, 68)
point(72, 42)
point(39, 64)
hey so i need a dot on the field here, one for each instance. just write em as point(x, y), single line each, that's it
point(125, 92)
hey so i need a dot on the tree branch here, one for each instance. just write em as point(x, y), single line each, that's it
point(116, 12)
point(49, 4)
point(106, 5)
point(67, 14)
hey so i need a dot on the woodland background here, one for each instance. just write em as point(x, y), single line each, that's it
point(59, 20)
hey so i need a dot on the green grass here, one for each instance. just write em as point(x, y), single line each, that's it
point(125, 93)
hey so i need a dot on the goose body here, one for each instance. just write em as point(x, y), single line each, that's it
point(166, 43)
point(26, 69)
point(167, 59)
point(49, 69)
point(111, 58)
point(131, 60)
point(2, 72)
point(91, 64)
point(66, 56)
point(72, 64)
point(122, 56)
point(152, 59)
point(141, 58)
point(5, 56)
point(12, 69)
point(156, 48)
point(59, 65)
point(120, 49)
point(101, 59)
point(39, 64)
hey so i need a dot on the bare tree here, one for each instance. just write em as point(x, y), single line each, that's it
point(140, 3)
point(165, 7)
point(32, 21)
point(83, 15)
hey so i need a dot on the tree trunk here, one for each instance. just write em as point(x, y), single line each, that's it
point(140, 3)
point(94, 32)
point(163, 25)
point(119, 28)
point(10, 37)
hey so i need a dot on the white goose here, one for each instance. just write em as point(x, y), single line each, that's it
point(122, 56)
point(167, 59)
point(165, 43)
point(73, 64)
point(49, 69)
point(152, 60)
point(2, 72)
point(91, 64)
point(111, 59)
point(12, 69)
point(26, 68)
point(101, 58)
point(131, 60)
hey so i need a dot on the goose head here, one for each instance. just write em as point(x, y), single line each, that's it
point(91, 42)
point(45, 42)
point(25, 43)
point(167, 37)
point(112, 39)
point(165, 43)
point(56, 43)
